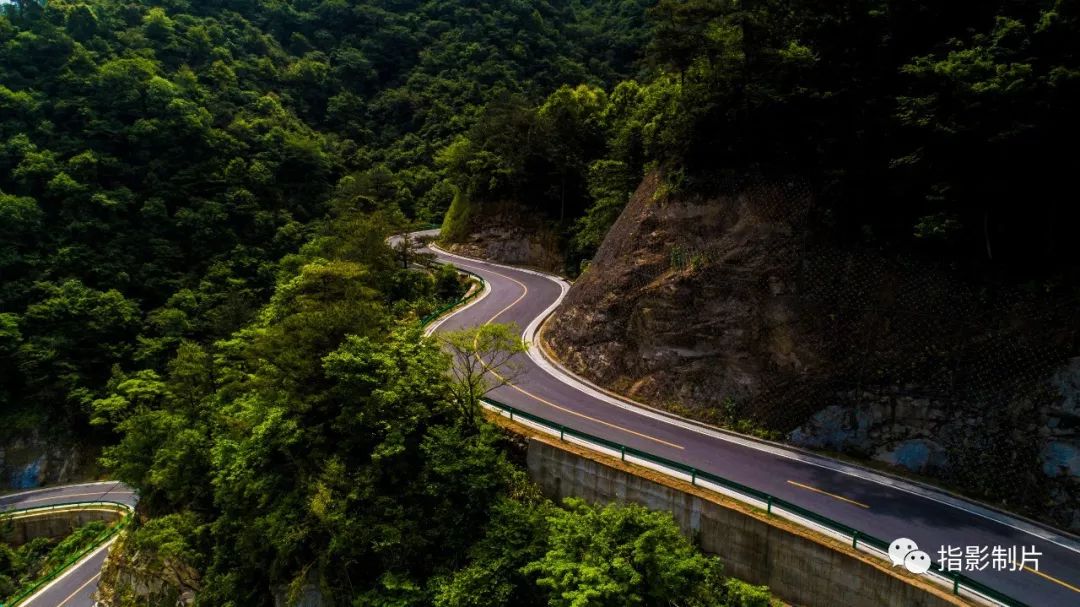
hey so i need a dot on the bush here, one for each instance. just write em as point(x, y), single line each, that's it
point(448, 283)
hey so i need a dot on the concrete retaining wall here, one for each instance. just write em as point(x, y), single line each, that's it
point(54, 524)
point(798, 567)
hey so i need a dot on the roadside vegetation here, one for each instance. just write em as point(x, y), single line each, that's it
point(194, 202)
point(326, 445)
point(158, 160)
point(22, 566)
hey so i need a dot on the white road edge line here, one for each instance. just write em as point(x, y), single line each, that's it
point(451, 313)
point(778, 511)
point(30, 599)
point(583, 385)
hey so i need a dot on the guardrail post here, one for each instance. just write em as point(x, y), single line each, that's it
point(511, 415)
point(673, 468)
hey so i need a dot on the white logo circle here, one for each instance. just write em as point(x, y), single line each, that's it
point(917, 562)
point(900, 548)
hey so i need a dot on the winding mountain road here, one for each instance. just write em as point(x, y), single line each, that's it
point(872, 502)
point(76, 586)
point(881, 505)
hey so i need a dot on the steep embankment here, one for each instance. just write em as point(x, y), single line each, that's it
point(506, 233)
point(32, 459)
point(737, 310)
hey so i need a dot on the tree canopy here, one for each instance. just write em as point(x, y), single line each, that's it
point(159, 159)
point(195, 199)
point(920, 126)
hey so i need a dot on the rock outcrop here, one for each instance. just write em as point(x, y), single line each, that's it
point(741, 309)
point(33, 460)
point(510, 235)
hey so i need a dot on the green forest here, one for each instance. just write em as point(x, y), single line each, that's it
point(159, 160)
point(920, 126)
point(195, 198)
point(194, 202)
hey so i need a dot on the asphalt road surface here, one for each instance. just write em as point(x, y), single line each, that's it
point(863, 499)
point(870, 502)
point(76, 587)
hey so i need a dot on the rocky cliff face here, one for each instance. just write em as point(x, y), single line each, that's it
point(736, 310)
point(507, 234)
point(33, 460)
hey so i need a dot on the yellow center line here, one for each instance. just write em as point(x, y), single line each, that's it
point(1049, 577)
point(525, 291)
point(79, 589)
point(590, 418)
point(832, 495)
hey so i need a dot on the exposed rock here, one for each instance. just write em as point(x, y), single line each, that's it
point(690, 302)
point(309, 596)
point(917, 455)
point(32, 461)
point(1067, 383)
point(1061, 458)
point(1060, 454)
point(133, 577)
point(738, 308)
point(835, 428)
point(510, 235)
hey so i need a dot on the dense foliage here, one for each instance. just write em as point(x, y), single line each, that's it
point(922, 124)
point(945, 115)
point(194, 204)
point(326, 446)
point(25, 565)
point(158, 159)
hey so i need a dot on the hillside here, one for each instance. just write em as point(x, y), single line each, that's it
point(737, 310)
point(158, 160)
point(198, 300)
point(842, 226)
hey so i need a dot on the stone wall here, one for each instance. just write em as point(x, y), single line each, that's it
point(796, 567)
point(54, 524)
point(31, 461)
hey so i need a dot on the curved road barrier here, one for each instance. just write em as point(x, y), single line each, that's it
point(72, 584)
point(863, 507)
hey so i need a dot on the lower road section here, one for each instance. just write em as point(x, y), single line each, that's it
point(76, 586)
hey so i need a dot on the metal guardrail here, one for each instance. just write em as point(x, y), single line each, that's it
point(5, 514)
point(961, 584)
point(430, 318)
point(103, 537)
point(471, 295)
